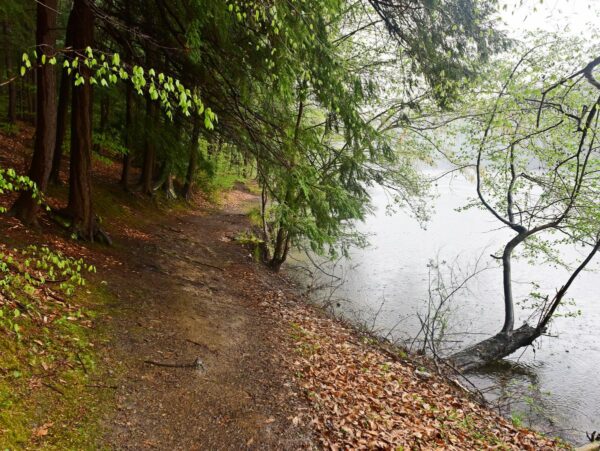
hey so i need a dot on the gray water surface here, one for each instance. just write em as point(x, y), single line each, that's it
point(557, 381)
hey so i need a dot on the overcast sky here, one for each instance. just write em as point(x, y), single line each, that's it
point(570, 16)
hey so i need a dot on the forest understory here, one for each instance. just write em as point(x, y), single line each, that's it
point(181, 340)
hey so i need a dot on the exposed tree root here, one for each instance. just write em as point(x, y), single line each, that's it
point(65, 219)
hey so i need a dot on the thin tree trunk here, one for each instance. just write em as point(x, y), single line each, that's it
point(149, 152)
point(104, 112)
point(12, 89)
point(282, 243)
point(80, 207)
point(509, 309)
point(282, 246)
point(32, 97)
point(266, 254)
point(170, 186)
point(26, 207)
point(508, 340)
point(193, 161)
point(128, 135)
point(61, 120)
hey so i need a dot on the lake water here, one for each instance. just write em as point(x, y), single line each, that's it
point(557, 381)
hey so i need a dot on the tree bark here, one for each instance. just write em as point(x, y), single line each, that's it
point(26, 206)
point(494, 348)
point(193, 161)
point(11, 113)
point(62, 116)
point(147, 175)
point(32, 97)
point(104, 112)
point(80, 207)
point(128, 135)
point(509, 309)
point(282, 247)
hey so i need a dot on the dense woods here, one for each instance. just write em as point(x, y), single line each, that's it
point(283, 91)
point(311, 102)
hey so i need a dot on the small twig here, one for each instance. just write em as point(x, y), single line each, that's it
point(202, 345)
point(474, 389)
point(52, 387)
point(198, 364)
point(81, 362)
point(112, 387)
point(198, 262)
point(191, 260)
point(55, 296)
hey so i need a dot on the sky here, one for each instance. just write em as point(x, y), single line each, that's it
point(568, 16)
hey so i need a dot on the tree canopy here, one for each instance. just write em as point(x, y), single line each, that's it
point(285, 87)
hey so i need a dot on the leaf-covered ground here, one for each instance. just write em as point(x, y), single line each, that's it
point(364, 397)
point(50, 393)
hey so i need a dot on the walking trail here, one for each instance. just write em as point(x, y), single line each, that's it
point(200, 358)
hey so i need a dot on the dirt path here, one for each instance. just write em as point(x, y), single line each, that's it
point(189, 296)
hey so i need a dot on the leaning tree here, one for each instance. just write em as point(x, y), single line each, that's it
point(535, 149)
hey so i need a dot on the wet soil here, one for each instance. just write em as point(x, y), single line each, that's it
point(198, 354)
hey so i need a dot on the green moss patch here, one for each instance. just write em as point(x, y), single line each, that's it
point(50, 394)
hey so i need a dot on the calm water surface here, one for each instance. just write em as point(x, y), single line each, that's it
point(558, 380)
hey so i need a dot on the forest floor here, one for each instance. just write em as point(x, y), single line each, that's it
point(195, 345)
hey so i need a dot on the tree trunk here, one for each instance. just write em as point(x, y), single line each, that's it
point(170, 187)
point(509, 309)
point(61, 122)
point(494, 348)
point(32, 97)
point(266, 234)
point(282, 247)
point(104, 112)
point(193, 161)
point(282, 244)
point(506, 342)
point(128, 135)
point(80, 207)
point(12, 88)
point(26, 207)
point(147, 175)
point(21, 98)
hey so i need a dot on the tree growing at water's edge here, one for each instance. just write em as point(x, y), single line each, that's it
point(538, 173)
